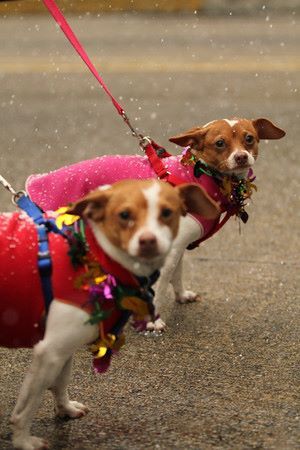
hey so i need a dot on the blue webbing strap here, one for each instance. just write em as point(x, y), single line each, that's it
point(44, 226)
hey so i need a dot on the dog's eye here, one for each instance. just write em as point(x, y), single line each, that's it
point(166, 213)
point(125, 215)
point(249, 139)
point(220, 144)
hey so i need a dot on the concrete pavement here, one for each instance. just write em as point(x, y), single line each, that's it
point(224, 375)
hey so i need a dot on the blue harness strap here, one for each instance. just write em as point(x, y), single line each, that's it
point(44, 226)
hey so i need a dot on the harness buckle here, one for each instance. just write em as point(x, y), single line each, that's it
point(43, 255)
point(164, 175)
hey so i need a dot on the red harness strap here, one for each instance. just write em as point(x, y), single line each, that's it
point(155, 154)
point(214, 230)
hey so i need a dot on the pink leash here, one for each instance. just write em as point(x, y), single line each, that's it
point(65, 27)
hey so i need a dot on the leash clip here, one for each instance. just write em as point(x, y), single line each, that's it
point(131, 127)
point(144, 142)
point(16, 197)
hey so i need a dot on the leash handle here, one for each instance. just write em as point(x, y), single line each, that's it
point(70, 35)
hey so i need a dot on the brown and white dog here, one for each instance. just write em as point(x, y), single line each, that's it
point(228, 147)
point(130, 226)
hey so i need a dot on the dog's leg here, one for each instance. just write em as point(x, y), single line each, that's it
point(176, 280)
point(45, 367)
point(182, 295)
point(161, 288)
point(189, 231)
point(64, 406)
point(66, 330)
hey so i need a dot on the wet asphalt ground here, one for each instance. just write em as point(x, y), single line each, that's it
point(225, 375)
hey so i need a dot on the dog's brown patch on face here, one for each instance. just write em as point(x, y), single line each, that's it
point(124, 214)
point(127, 210)
point(170, 208)
point(221, 140)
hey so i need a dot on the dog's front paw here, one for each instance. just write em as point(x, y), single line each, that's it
point(187, 297)
point(157, 326)
point(30, 443)
point(72, 410)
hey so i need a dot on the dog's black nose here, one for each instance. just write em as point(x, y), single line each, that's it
point(241, 158)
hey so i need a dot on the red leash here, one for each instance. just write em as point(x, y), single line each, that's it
point(67, 30)
point(153, 151)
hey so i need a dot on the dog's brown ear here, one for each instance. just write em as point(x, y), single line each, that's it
point(92, 206)
point(191, 138)
point(197, 201)
point(267, 130)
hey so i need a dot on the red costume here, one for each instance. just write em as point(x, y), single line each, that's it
point(21, 300)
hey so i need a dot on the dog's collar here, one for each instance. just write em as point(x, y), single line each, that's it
point(201, 167)
point(236, 190)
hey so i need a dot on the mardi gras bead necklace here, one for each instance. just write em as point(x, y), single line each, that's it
point(236, 190)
